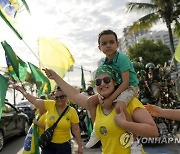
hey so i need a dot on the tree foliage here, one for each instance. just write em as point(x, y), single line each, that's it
point(150, 51)
point(167, 11)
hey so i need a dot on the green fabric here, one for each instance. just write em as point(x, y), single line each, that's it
point(10, 25)
point(83, 84)
point(3, 90)
point(89, 125)
point(121, 63)
point(11, 70)
point(107, 69)
point(26, 5)
point(16, 67)
point(36, 137)
point(42, 82)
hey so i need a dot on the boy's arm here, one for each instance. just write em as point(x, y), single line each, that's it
point(123, 86)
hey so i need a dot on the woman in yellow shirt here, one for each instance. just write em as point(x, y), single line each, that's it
point(107, 122)
point(60, 143)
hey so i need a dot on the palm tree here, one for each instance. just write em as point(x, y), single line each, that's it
point(167, 11)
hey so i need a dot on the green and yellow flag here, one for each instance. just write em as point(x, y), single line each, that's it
point(8, 11)
point(17, 68)
point(56, 56)
point(42, 82)
point(3, 90)
point(177, 53)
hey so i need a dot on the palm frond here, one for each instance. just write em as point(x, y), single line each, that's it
point(144, 23)
point(177, 28)
point(132, 6)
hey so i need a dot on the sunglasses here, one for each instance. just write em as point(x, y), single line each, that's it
point(106, 80)
point(60, 97)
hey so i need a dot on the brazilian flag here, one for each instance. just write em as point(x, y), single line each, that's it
point(17, 68)
point(42, 82)
point(3, 90)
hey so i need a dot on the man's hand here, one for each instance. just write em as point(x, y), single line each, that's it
point(154, 110)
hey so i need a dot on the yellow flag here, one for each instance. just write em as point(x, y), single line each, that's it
point(55, 55)
point(177, 53)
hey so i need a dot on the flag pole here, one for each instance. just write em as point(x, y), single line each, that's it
point(33, 53)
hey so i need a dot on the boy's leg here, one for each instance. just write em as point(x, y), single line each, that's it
point(125, 98)
point(92, 103)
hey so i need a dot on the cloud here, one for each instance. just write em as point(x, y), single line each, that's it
point(76, 23)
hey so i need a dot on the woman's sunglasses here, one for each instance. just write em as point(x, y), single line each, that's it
point(106, 80)
point(60, 97)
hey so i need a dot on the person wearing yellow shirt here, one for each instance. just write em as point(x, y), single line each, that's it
point(60, 143)
point(109, 126)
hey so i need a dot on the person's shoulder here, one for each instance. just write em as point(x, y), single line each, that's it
point(49, 103)
point(135, 103)
point(72, 109)
point(123, 57)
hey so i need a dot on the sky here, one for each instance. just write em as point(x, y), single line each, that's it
point(76, 23)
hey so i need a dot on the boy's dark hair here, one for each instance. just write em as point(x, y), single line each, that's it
point(89, 89)
point(106, 32)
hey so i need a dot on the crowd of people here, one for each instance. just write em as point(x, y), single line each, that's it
point(114, 110)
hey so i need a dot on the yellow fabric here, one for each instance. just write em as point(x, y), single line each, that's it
point(30, 135)
point(62, 132)
point(55, 55)
point(177, 53)
point(109, 133)
point(31, 144)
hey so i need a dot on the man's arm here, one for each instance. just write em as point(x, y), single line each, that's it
point(157, 111)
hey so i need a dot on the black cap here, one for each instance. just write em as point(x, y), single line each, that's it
point(89, 89)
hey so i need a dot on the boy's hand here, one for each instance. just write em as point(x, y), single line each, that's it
point(101, 98)
point(107, 103)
